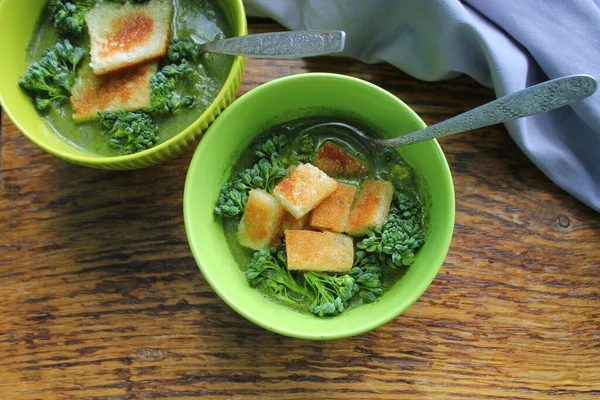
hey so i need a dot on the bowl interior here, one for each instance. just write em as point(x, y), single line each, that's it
point(17, 27)
point(285, 99)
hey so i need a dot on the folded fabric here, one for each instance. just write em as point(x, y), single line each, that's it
point(504, 44)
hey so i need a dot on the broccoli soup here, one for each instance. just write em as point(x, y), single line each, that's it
point(116, 77)
point(319, 221)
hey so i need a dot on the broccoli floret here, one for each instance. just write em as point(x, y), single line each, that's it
point(175, 70)
point(305, 150)
point(307, 145)
point(234, 195)
point(271, 148)
point(183, 50)
point(263, 175)
point(164, 98)
point(267, 269)
point(68, 16)
point(332, 292)
point(232, 199)
point(129, 132)
point(398, 239)
point(176, 66)
point(406, 208)
point(274, 149)
point(366, 272)
point(52, 77)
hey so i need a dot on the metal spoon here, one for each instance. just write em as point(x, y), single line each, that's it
point(536, 99)
point(293, 44)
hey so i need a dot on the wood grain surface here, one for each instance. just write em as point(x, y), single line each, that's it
point(100, 297)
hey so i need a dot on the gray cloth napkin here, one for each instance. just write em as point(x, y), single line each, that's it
point(504, 44)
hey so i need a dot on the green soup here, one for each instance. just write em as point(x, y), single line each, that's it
point(379, 162)
point(199, 20)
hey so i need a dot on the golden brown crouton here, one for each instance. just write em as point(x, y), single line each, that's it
point(289, 222)
point(123, 35)
point(303, 189)
point(122, 90)
point(332, 160)
point(333, 212)
point(318, 251)
point(371, 206)
point(261, 219)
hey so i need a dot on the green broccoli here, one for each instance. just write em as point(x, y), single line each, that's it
point(271, 148)
point(176, 70)
point(183, 50)
point(366, 272)
point(52, 77)
point(398, 239)
point(164, 98)
point(306, 149)
point(176, 66)
point(68, 16)
point(263, 175)
point(129, 132)
point(267, 269)
point(234, 195)
point(332, 292)
point(232, 199)
point(275, 150)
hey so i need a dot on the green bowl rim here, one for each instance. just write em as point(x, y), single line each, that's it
point(237, 69)
point(259, 320)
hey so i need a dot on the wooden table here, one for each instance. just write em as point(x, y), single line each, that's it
point(100, 297)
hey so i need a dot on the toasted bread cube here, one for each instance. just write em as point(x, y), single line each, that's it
point(260, 223)
point(289, 222)
point(303, 189)
point(333, 213)
point(371, 207)
point(318, 251)
point(123, 35)
point(335, 162)
point(122, 90)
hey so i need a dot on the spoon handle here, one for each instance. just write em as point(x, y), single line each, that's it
point(536, 99)
point(293, 44)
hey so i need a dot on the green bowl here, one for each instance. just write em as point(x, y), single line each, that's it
point(18, 20)
point(282, 100)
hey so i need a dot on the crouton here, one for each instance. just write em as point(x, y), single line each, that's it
point(371, 206)
point(289, 222)
point(318, 251)
point(303, 189)
point(260, 222)
point(123, 90)
point(333, 212)
point(335, 162)
point(123, 35)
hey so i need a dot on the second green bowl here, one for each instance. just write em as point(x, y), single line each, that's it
point(285, 99)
